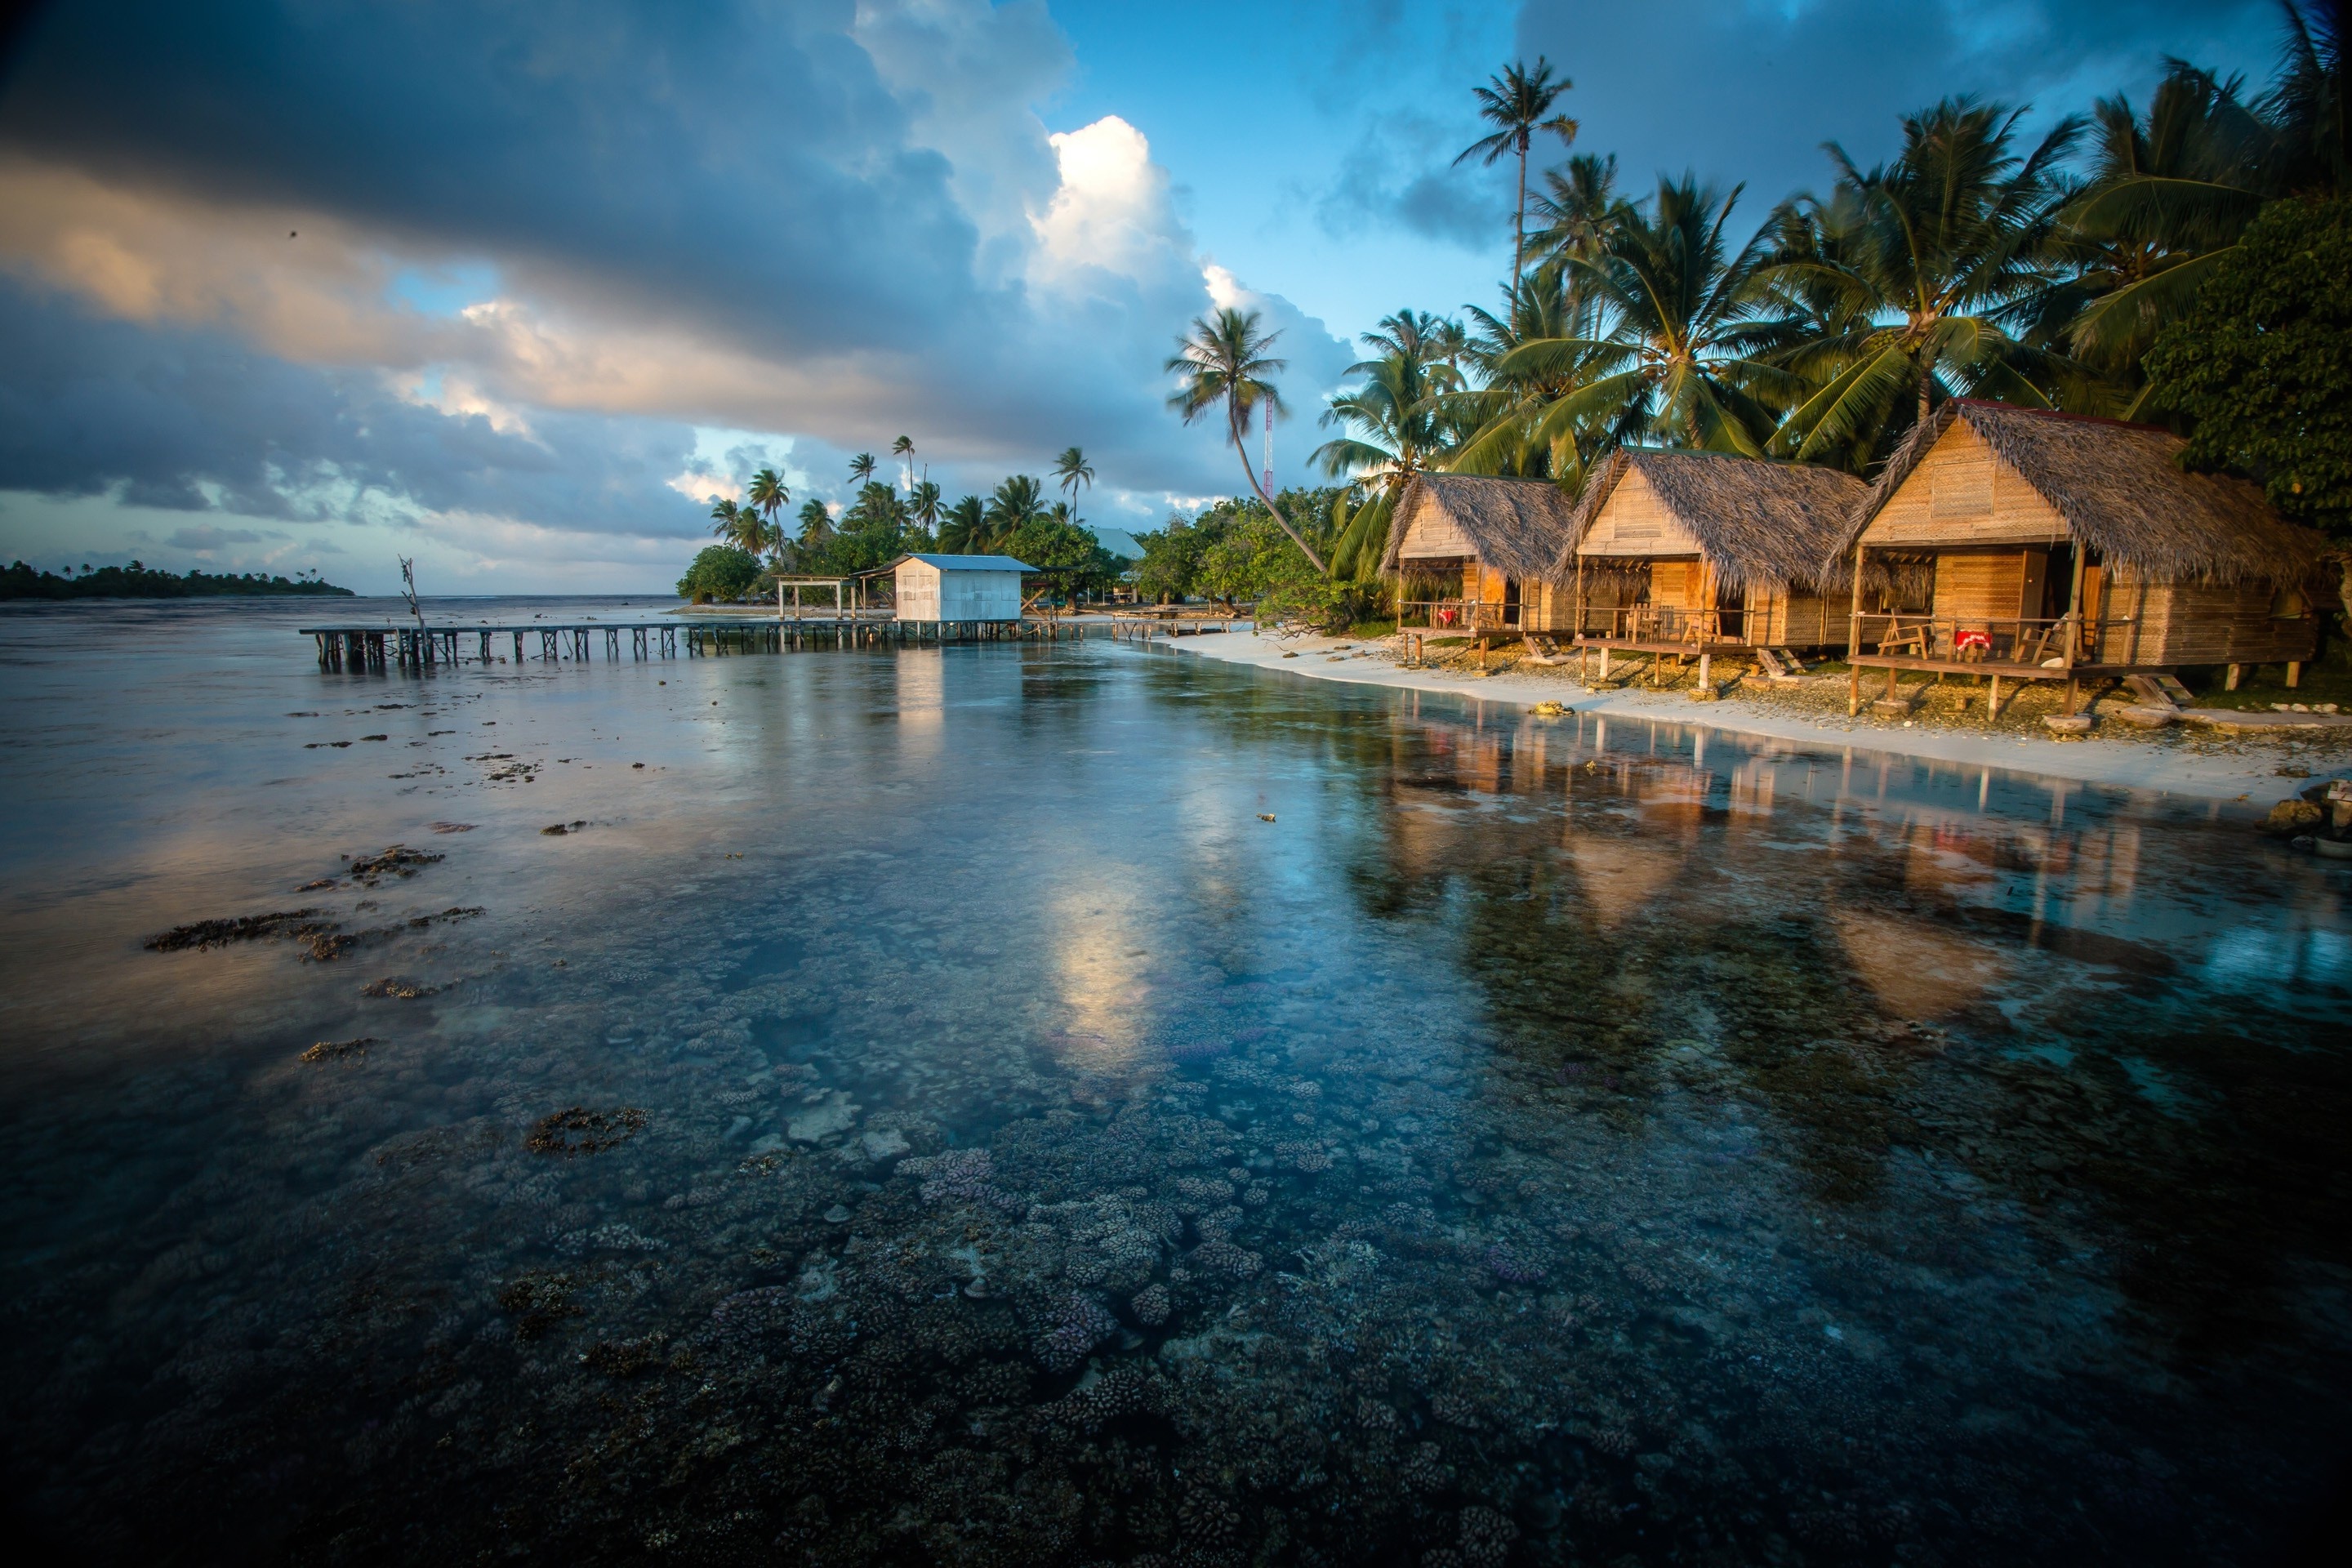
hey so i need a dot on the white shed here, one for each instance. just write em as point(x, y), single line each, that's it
point(959, 587)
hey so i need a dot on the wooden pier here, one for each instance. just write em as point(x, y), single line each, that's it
point(426, 647)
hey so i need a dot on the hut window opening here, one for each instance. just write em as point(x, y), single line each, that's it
point(2289, 604)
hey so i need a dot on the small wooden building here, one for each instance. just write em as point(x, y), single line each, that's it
point(2021, 543)
point(1680, 551)
point(1474, 552)
point(958, 588)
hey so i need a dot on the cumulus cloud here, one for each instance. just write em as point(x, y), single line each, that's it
point(819, 221)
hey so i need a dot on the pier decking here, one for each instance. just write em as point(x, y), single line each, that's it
point(416, 648)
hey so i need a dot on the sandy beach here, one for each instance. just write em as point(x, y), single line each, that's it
point(2179, 760)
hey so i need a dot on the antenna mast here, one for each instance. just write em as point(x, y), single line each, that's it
point(1269, 447)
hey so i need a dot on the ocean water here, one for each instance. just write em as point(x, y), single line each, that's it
point(1076, 1104)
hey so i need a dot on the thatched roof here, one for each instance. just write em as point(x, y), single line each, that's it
point(2122, 491)
point(1517, 526)
point(1763, 525)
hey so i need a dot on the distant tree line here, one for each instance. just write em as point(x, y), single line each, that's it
point(139, 580)
point(884, 520)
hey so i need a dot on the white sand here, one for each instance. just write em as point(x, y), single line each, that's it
point(2174, 760)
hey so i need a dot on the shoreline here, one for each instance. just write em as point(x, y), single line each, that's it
point(2239, 767)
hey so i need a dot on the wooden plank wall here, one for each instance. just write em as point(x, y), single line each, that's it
point(1981, 584)
point(2188, 623)
point(1798, 620)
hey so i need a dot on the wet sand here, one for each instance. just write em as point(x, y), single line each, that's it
point(2179, 761)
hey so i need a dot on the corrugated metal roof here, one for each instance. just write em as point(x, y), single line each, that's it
point(973, 562)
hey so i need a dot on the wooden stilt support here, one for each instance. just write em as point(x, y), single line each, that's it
point(2293, 673)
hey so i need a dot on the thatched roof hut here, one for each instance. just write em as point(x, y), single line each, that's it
point(1515, 527)
point(2117, 488)
point(1761, 526)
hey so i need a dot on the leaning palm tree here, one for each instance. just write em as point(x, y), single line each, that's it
point(1071, 469)
point(1225, 365)
point(861, 468)
point(1950, 251)
point(903, 448)
point(1516, 103)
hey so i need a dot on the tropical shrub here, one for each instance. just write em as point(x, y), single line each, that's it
point(722, 572)
point(2259, 369)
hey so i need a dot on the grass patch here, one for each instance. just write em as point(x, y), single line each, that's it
point(2263, 685)
point(1369, 630)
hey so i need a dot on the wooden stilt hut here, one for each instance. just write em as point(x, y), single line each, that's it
point(1703, 553)
point(2027, 546)
point(1473, 553)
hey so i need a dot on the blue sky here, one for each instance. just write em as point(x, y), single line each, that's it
point(516, 289)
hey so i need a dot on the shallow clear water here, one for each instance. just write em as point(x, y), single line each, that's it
point(992, 1140)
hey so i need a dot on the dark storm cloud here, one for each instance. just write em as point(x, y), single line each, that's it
point(1748, 89)
point(1402, 173)
point(736, 161)
point(187, 420)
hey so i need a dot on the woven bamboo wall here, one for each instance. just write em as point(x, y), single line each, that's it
point(1432, 536)
point(1634, 521)
point(1961, 494)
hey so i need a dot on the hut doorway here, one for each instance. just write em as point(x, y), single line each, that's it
point(1730, 614)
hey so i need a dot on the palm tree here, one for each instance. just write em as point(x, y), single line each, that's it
point(741, 526)
point(1515, 104)
point(1685, 358)
point(1580, 207)
point(1017, 500)
point(1394, 428)
point(816, 524)
point(923, 506)
point(767, 492)
point(1502, 425)
point(1224, 363)
point(1071, 469)
point(963, 525)
point(1946, 249)
point(2310, 104)
point(2166, 200)
point(904, 448)
point(861, 468)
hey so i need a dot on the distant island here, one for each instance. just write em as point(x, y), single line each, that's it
point(137, 580)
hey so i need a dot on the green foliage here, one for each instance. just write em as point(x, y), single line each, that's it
point(724, 573)
point(1235, 551)
point(137, 581)
point(1065, 555)
point(2259, 368)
